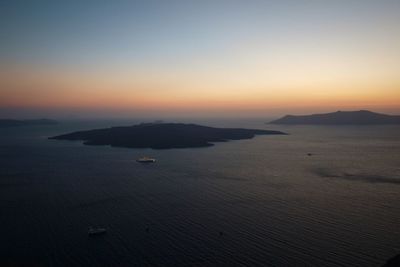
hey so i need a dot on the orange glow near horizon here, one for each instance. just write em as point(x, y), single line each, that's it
point(257, 57)
point(202, 91)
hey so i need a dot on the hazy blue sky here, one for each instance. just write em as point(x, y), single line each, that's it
point(232, 55)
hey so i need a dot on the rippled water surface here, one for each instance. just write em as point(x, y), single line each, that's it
point(258, 202)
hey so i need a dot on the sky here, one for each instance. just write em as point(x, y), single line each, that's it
point(198, 58)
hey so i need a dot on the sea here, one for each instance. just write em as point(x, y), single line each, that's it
point(319, 196)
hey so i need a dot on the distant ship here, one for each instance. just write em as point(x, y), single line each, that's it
point(146, 160)
point(96, 231)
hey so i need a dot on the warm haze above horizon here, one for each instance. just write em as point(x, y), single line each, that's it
point(198, 58)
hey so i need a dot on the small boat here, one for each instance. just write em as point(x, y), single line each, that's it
point(146, 160)
point(96, 231)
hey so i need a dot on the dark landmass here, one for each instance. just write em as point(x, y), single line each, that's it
point(393, 262)
point(15, 123)
point(361, 117)
point(162, 135)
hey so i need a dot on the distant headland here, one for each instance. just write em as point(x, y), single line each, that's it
point(162, 135)
point(15, 123)
point(361, 117)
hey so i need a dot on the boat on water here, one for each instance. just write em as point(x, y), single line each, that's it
point(96, 231)
point(146, 160)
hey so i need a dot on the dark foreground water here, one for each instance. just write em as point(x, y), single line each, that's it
point(259, 202)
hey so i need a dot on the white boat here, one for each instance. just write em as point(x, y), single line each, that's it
point(96, 231)
point(146, 160)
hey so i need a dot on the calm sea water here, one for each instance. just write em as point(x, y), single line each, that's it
point(259, 202)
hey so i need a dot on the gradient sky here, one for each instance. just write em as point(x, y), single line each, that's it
point(183, 58)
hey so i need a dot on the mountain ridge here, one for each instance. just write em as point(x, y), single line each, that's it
point(360, 117)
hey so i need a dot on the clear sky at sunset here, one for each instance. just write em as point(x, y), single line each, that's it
point(200, 58)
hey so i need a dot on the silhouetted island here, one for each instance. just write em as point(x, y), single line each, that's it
point(393, 262)
point(162, 135)
point(361, 117)
point(16, 123)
